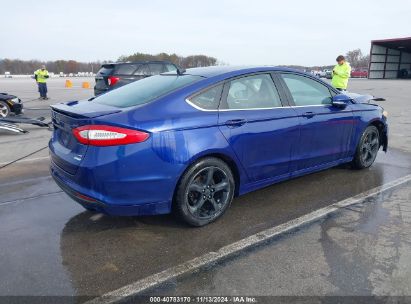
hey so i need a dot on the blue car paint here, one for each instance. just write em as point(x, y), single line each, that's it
point(324, 137)
point(140, 179)
point(265, 130)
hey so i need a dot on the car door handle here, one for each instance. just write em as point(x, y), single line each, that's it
point(235, 122)
point(308, 114)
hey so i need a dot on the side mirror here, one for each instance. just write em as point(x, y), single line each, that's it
point(340, 100)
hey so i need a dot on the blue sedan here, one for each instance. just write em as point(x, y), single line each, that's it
point(190, 141)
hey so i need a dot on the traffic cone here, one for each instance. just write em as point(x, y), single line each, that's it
point(68, 84)
point(85, 85)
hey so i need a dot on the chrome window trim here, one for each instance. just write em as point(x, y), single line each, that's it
point(199, 108)
point(251, 109)
point(318, 105)
point(226, 110)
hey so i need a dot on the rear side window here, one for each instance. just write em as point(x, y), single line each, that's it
point(126, 69)
point(106, 70)
point(208, 99)
point(156, 68)
point(142, 70)
point(253, 92)
point(306, 91)
point(145, 90)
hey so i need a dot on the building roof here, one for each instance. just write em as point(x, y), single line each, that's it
point(401, 44)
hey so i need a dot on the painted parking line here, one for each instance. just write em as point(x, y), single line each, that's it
point(27, 160)
point(227, 251)
point(29, 198)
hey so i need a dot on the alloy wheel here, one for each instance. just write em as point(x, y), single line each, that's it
point(208, 193)
point(369, 147)
point(4, 110)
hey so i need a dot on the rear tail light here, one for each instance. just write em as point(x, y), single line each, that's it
point(101, 135)
point(112, 80)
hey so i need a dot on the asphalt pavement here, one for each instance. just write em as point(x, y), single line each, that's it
point(364, 250)
point(51, 246)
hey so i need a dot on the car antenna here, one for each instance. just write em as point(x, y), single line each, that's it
point(180, 71)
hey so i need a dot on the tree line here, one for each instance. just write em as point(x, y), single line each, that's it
point(17, 66)
point(26, 67)
point(191, 61)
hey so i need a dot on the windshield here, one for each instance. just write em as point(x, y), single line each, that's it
point(145, 90)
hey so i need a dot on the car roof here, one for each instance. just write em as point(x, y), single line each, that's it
point(139, 62)
point(213, 71)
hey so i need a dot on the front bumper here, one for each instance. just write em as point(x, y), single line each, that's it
point(384, 138)
point(17, 108)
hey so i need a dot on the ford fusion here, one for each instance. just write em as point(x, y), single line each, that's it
point(190, 141)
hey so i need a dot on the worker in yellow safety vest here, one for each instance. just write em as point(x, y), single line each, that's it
point(340, 74)
point(41, 76)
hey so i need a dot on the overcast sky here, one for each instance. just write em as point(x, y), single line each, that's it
point(235, 32)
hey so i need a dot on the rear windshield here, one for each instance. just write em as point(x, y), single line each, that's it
point(106, 69)
point(145, 90)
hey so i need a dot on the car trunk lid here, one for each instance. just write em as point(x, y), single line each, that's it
point(66, 152)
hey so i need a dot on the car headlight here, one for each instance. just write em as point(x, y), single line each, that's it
point(385, 114)
point(15, 100)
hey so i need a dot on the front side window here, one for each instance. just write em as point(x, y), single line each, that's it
point(252, 92)
point(208, 99)
point(145, 90)
point(306, 91)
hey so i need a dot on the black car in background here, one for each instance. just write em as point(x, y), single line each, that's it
point(114, 75)
point(10, 104)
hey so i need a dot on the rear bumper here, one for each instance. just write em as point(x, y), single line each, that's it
point(86, 199)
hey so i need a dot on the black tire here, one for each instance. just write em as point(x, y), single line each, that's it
point(367, 148)
point(204, 192)
point(4, 109)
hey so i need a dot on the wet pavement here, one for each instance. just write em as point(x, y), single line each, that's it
point(362, 250)
point(51, 246)
point(37, 138)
